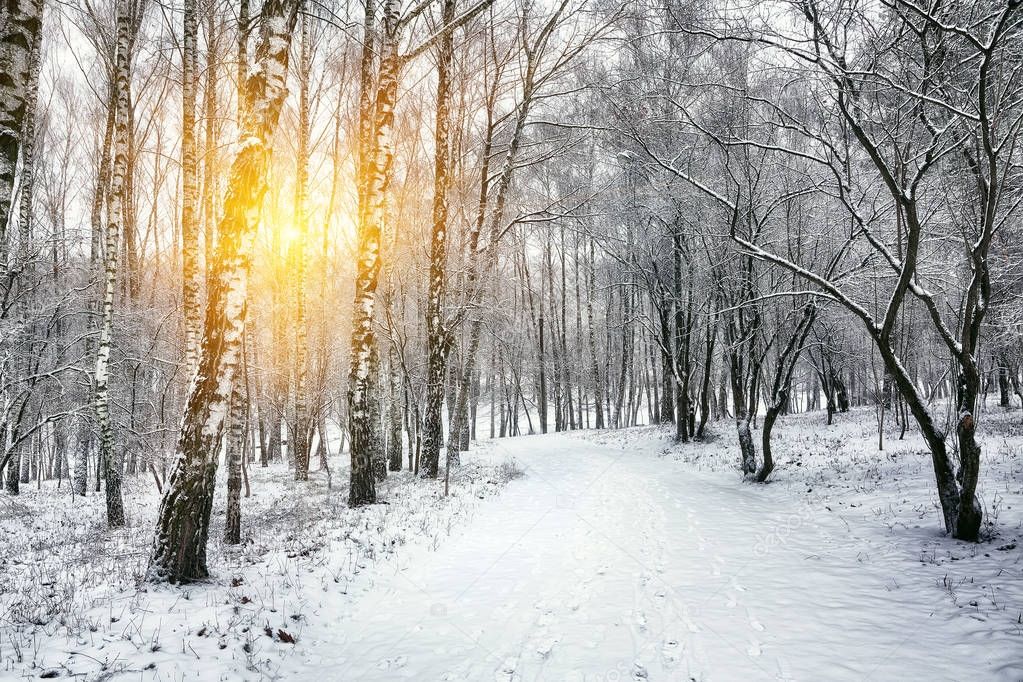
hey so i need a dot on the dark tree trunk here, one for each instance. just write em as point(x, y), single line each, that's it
point(437, 343)
point(1003, 383)
point(708, 363)
point(767, 464)
point(235, 447)
point(394, 415)
point(667, 415)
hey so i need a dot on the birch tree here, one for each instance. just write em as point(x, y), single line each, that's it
point(438, 342)
point(20, 29)
point(190, 184)
point(376, 162)
point(108, 453)
point(303, 423)
point(179, 553)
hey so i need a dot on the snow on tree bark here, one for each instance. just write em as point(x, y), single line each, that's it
point(235, 452)
point(190, 185)
point(394, 411)
point(20, 28)
point(303, 421)
point(375, 177)
point(781, 386)
point(376, 158)
point(179, 553)
point(26, 266)
point(437, 342)
point(109, 455)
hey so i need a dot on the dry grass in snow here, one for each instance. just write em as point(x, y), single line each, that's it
point(74, 602)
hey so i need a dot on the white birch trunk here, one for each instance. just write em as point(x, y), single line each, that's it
point(303, 424)
point(111, 463)
point(179, 553)
point(20, 27)
point(189, 187)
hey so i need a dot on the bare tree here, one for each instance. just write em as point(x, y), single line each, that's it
point(973, 130)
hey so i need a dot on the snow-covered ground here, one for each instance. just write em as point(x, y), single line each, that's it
point(73, 604)
point(618, 555)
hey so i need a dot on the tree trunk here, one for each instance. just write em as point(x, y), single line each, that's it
point(437, 342)
point(80, 483)
point(190, 187)
point(303, 423)
point(235, 452)
point(378, 454)
point(598, 386)
point(1003, 382)
point(541, 399)
point(747, 450)
point(667, 414)
point(26, 259)
point(960, 509)
point(183, 521)
point(22, 27)
point(108, 455)
point(375, 174)
point(767, 465)
point(708, 363)
point(394, 416)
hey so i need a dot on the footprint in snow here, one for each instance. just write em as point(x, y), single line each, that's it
point(507, 671)
point(392, 663)
point(784, 670)
point(671, 651)
point(546, 646)
point(754, 649)
point(641, 622)
point(753, 622)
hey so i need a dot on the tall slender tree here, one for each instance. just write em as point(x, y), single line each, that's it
point(303, 422)
point(109, 454)
point(179, 552)
point(375, 173)
point(190, 274)
point(437, 340)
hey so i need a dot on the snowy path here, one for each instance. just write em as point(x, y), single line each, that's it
point(604, 564)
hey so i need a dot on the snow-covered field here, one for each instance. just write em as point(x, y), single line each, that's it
point(618, 555)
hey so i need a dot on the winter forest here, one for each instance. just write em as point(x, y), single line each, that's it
point(511, 340)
